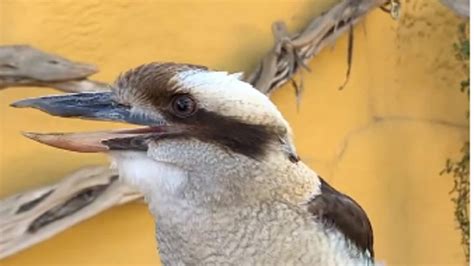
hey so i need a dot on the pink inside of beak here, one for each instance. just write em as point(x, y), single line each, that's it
point(88, 141)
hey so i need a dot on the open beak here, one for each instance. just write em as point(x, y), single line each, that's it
point(94, 106)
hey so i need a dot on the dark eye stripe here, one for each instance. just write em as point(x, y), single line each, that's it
point(247, 139)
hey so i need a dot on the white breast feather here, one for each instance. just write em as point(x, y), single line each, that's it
point(148, 175)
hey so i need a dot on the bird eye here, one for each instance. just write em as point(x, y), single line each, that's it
point(183, 105)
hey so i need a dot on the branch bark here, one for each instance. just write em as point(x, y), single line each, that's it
point(292, 52)
point(34, 216)
point(23, 65)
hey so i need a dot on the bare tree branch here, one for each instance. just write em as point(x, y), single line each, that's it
point(34, 216)
point(292, 52)
point(23, 65)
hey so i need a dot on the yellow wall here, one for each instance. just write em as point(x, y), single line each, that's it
point(383, 139)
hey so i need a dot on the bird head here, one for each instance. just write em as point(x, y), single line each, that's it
point(199, 130)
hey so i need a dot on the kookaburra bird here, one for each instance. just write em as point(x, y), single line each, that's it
point(216, 163)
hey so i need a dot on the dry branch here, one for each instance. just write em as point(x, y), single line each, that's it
point(22, 65)
point(34, 216)
point(31, 217)
point(292, 52)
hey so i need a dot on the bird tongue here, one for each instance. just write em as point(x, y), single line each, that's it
point(90, 141)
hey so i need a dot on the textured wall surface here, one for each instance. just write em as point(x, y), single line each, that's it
point(383, 139)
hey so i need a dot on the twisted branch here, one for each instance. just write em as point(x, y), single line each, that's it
point(291, 53)
point(34, 216)
point(23, 65)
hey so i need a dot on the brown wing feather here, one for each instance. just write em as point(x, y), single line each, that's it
point(342, 212)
